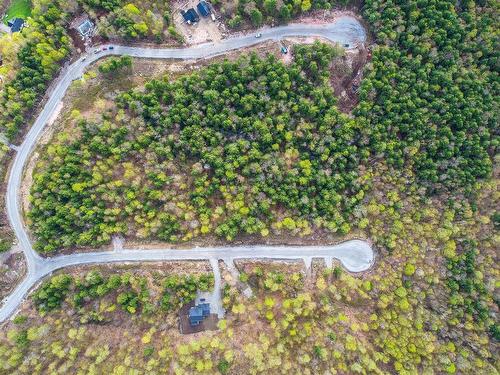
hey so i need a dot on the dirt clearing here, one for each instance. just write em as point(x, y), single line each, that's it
point(346, 76)
point(204, 30)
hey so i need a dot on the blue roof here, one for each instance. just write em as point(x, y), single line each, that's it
point(205, 309)
point(16, 24)
point(198, 313)
point(190, 15)
point(195, 315)
point(203, 8)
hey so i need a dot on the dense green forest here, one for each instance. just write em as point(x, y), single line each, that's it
point(266, 147)
point(254, 136)
point(430, 100)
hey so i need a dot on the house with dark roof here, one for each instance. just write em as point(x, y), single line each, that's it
point(16, 24)
point(203, 8)
point(198, 313)
point(86, 27)
point(190, 16)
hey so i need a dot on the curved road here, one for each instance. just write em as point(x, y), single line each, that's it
point(355, 255)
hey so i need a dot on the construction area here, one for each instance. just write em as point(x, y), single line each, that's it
point(197, 21)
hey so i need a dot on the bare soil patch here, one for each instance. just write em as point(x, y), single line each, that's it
point(322, 16)
point(205, 30)
point(5, 229)
point(346, 76)
point(286, 266)
point(12, 271)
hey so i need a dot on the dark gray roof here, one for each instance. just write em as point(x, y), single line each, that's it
point(16, 24)
point(190, 15)
point(203, 8)
point(198, 313)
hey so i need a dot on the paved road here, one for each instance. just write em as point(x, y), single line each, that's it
point(355, 255)
point(345, 30)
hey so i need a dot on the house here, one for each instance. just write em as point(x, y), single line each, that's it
point(86, 27)
point(190, 16)
point(198, 313)
point(203, 8)
point(16, 24)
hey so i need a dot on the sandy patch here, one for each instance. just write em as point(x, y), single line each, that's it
point(205, 30)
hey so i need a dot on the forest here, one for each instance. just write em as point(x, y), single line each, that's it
point(248, 132)
point(132, 293)
point(131, 20)
point(430, 100)
point(40, 50)
point(254, 148)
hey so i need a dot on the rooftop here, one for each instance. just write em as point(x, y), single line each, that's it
point(85, 27)
point(190, 16)
point(16, 24)
point(198, 313)
point(203, 8)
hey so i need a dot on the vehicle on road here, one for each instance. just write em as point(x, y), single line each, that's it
point(284, 50)
point(259, 35)
point(96, 51)
point(111, 47)
point(104, 48)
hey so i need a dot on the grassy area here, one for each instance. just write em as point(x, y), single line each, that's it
point(18, 8)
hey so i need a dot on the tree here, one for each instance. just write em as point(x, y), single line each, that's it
point(256, 17)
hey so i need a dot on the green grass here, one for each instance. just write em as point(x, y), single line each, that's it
point(18, 8)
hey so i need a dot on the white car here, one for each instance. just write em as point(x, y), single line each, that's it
point(258, 35)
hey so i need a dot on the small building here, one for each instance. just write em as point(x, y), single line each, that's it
point(16, 24)
point(198, 313)
point(203, 8)
point(190, 16)
point(86, 27)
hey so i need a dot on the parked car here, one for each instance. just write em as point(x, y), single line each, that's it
point(258, 35)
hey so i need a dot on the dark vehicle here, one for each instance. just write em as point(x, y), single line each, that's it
point(111, 47)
